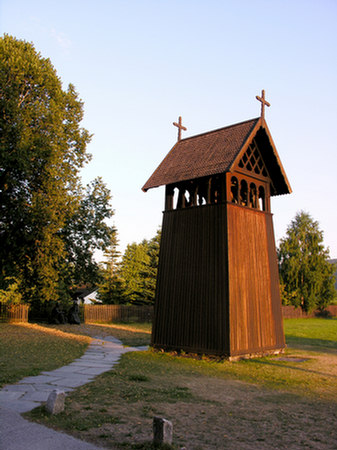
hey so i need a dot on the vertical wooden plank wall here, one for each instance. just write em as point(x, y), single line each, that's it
point(191, 308)
point(255, 307)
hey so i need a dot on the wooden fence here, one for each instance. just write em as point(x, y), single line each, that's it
point(120, 313)
point(14, 314)
point(117, 313)
point(290, 312)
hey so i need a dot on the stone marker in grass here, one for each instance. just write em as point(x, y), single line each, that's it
point(162, 431)
point(55, 402)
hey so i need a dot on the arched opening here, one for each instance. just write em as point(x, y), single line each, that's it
point(187, 198)
point(181, 203)
point(262, 199)
point(201, 198)
point(234, 190)
point(253, 201)
point(243, 193)
point(193, 193)
point(215, 190)
point(175, 197)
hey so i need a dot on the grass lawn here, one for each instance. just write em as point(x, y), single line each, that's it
point(27, 349)
point(320, 334)
point(132, 335)
point(249, 404)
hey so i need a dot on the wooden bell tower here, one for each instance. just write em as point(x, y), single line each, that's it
point(218, 285)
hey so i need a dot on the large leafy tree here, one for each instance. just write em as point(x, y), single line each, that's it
point(42, 149)
point(87, 231)
point(307, 277)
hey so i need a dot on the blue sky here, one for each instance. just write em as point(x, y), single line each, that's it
point(138, 65)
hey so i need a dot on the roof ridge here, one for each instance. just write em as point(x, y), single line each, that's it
point(219, 129)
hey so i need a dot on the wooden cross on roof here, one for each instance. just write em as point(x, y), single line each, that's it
point(263, 103)
point(180, 127)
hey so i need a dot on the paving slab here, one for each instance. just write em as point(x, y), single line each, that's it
point(93, 358)
point(80, 365)
point(7, 396)
point(37, 396)
point(72, 382)
point(38, 379)
point(19, 434)
point(18, 388)
point(92, 371)
point(61, 371)
point(45, 387)
point(19, 406)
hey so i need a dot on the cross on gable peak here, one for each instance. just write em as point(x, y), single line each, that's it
point(263, 102)
point(180, 127)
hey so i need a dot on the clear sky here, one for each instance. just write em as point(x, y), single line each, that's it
point(139, 64)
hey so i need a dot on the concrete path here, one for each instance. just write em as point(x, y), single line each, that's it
point(17, 433)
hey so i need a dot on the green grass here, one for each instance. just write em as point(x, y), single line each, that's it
point(131, 335)
point(27, 350)
point(136, 326)
point(320, 334)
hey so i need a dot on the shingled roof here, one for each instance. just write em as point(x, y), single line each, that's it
point(215, 152)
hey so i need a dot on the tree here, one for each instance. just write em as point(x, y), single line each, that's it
point(11, 296)
point(138, 271)
point(86, 231)
point(110, 290)
point(307, 277)
point(42, 149)
point(149, 272)
point(133, 279)
point(133, 264)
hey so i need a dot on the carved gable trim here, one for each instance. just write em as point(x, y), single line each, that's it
point(252, 162)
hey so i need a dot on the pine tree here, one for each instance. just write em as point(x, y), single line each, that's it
point(133, 264)
point(111, 288)
point(307, 277)
point(149, 273)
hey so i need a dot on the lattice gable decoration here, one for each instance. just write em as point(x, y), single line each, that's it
point(252, 161)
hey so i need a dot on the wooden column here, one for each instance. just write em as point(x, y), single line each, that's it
point(169, 193)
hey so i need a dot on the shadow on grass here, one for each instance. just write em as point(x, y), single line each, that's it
point(305, 343)
point(284, 365)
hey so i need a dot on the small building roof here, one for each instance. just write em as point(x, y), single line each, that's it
point(216, 152)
